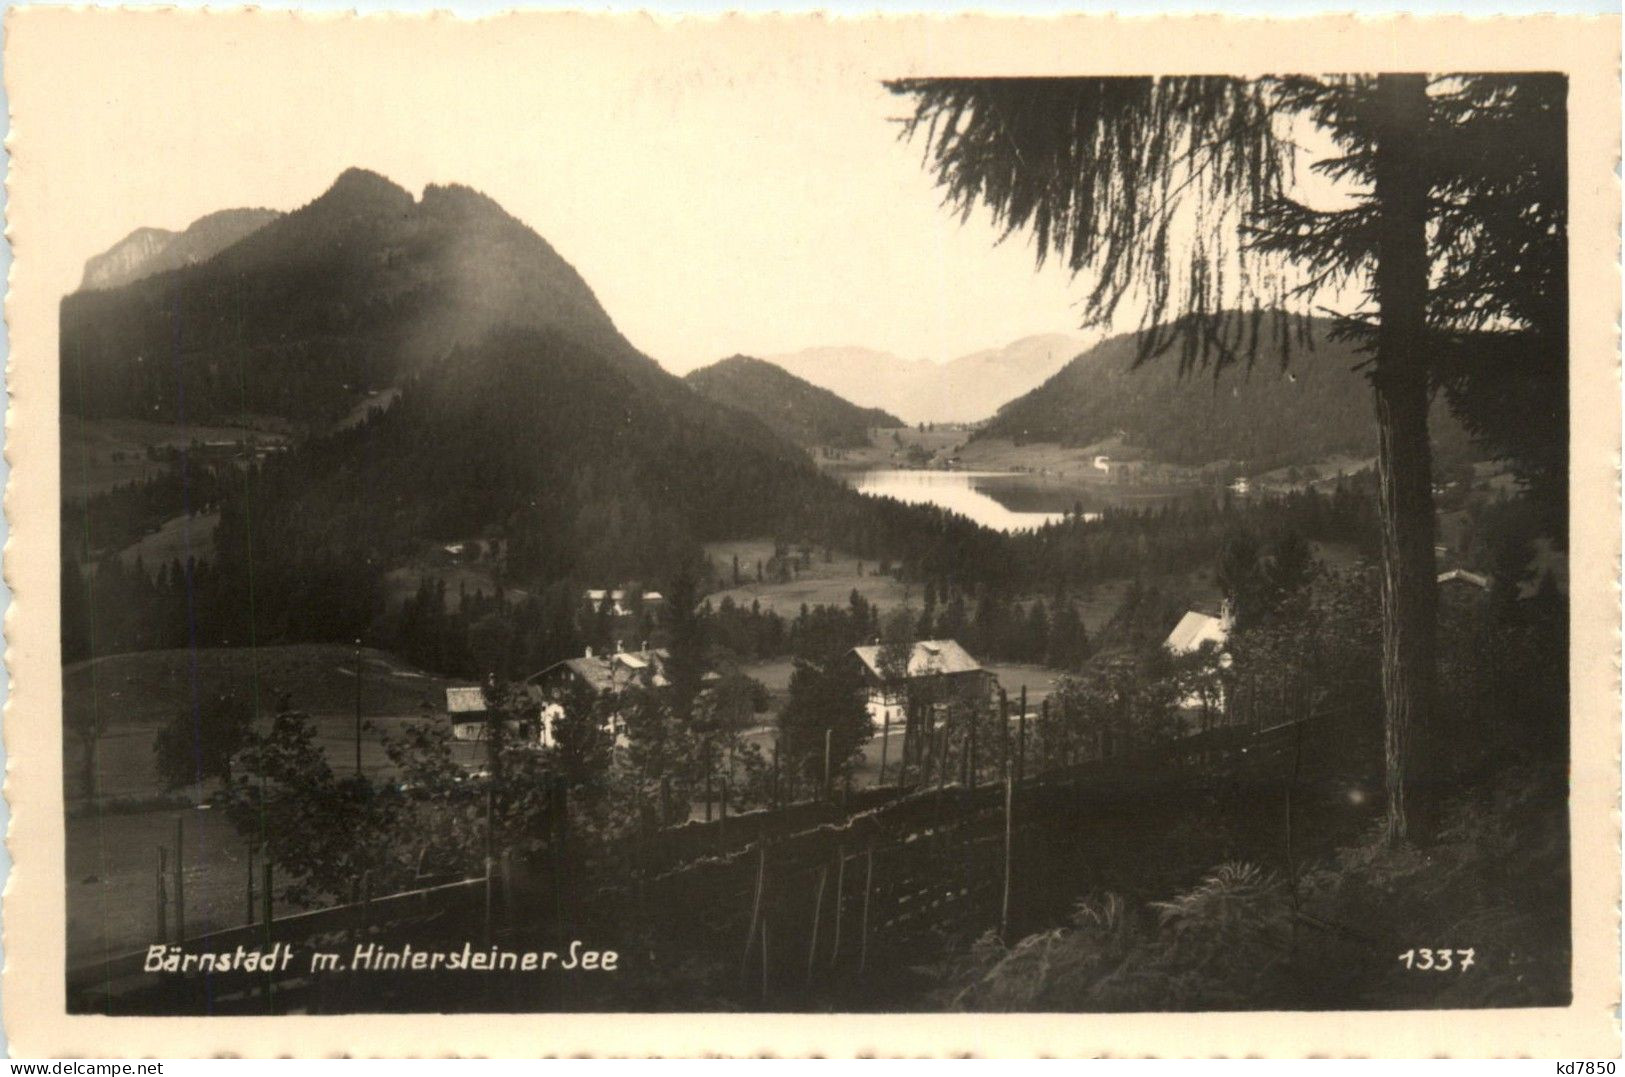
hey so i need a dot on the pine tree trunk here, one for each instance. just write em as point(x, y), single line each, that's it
point(1404, 465)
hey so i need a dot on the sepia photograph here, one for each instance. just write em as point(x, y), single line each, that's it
point(618, 518)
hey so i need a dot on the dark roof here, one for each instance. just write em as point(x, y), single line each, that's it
point(613, 672)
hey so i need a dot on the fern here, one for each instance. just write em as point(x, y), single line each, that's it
point(1236, 897)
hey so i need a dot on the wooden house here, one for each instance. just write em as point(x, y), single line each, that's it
point(937, 672)
point(1195, 631)
point(608, 674)
point(465, 706)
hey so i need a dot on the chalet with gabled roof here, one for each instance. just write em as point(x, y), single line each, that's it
point(1195, 631)
point(607, 674)
point(937, 672)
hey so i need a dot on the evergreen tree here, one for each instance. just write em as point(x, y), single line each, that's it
point(824, 701)
point(1440, 230)
point(686, 667)
point(1035, 645)
point(192, 748)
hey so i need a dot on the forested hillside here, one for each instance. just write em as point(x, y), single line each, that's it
point(794, 408)
point(1297, 403)
point(565, 471)
point(524, 423)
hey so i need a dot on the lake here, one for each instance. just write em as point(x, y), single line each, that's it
point(1003, 501)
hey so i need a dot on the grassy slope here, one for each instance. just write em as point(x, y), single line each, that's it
point(178, 539)
point(147, 686)
point(823, 584)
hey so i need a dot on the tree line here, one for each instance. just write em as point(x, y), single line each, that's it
point(1008, 596)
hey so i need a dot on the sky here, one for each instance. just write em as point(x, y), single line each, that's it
point(723, 186)
point(716, 200)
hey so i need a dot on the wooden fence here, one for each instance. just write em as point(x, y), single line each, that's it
point(810, 903)
point(814, 914)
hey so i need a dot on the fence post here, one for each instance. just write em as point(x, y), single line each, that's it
point(1004, 908)
point(840, 893)
point(1021, 738)
point(970, 772)
point(905, 752)
point(1004, 734)
point(1291, 855)
point(265, 886)
point(180, 880)
point(265, 900)
point(755, 908)
point(868, 880)
point(829, 792)
point(764, 961)
point(249, 919)
point(818, 912)
point(919, 726)
point(489, 863)
point(962, 767)
point(885, 740)
point(163, 895)
point(1044, 735)
point(1068, 752)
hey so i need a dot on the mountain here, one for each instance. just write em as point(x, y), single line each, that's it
point(147, 252)
point(972, 387)
point(310, 313)
point(522, 422)
point(1293, 406)
point(966, 389)
point(864, 376)
point(791, 406)
point(575, 466)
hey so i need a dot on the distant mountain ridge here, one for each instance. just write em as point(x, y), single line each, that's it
point(147, 252)
point(791, 406)
point(969, 388)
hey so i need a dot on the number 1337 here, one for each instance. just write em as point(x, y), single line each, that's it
point(1438, 960)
